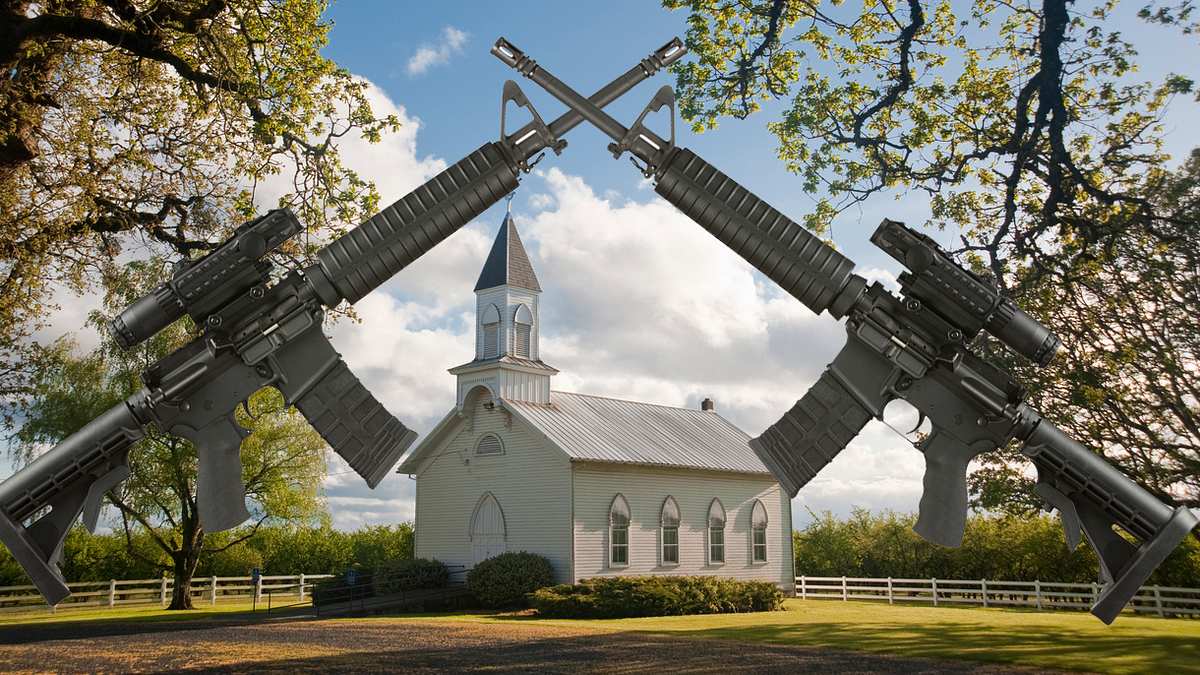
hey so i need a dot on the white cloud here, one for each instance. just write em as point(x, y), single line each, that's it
point(430, 55)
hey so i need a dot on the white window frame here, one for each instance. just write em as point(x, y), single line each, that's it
point(711, 530)
point(612, 545)
point(662, 534)
point(757, 529)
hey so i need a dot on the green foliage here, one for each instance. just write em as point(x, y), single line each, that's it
point(505, 580)
point(621, 597)
point(287, 549)
point(151, 124)
point(1009, 548)
point(410, 575)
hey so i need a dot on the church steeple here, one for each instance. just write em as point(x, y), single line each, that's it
point(508, 264)
point(507, 359)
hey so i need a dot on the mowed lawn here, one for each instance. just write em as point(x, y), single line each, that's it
point(1056, 640)
point(1062, 640)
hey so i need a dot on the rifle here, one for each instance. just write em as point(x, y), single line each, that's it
point(913, 348)
point(256, 334)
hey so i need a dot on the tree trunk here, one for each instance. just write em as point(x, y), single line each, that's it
point(185, 566)
point(185, 561)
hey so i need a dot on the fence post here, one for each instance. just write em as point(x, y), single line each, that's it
point(933, 581)
point(301, 587)
point(985, 598)
point(162, 590)
point(803, 587)
point(1158, 608)
point(844, 595)
point(112, 592)
point(214, 590)
point(258, 588)
point(890, 599)
point(1037, 592)
point(1095, 593)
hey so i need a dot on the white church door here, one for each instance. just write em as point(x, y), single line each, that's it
point(488, 531)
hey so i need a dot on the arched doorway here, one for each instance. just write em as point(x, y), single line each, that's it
point(488, 530)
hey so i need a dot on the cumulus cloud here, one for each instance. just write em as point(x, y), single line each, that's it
point(430, 55)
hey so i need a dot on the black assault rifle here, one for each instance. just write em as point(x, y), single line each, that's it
point(914, 348)
point(257, 334)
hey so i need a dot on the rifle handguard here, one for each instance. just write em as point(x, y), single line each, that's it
point(364, 258)
point(787, 253)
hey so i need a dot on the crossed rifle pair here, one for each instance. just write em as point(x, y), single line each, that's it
point(913, 347)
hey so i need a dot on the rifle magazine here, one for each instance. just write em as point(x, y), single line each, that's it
point(811, 434)
point(355, 424)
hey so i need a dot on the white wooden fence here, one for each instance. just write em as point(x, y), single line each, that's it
point(1160, 600)
point(149, 591)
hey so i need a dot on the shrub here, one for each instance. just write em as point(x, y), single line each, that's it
point(505, 580)
point(618, 597)
point(408, 575)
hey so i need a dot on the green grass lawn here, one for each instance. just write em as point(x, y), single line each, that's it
point(1063, 640)
point(1066, 640)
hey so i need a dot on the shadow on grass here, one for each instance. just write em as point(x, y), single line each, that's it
point(621, 652)
point(196, 619)
point(1053, 648)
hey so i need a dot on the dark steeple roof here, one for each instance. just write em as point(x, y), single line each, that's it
point(508, 263)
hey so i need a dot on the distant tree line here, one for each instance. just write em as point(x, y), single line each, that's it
point(274, 550)
point(994, 547)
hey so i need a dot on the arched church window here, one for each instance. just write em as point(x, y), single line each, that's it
point(758, 531)
point(491, 332)
point(490, 444)
point(522, 331)
point(716, 533)
point(618, 532)
point(669, 522)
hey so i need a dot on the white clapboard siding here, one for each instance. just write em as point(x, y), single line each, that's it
point(530, 481)
point(646, 488)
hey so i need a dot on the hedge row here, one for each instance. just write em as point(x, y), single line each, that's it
point(618, 597)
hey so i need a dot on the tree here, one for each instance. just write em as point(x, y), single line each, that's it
point(149, 125)
point(283, 459)
point(1127, 383)
point(1024, 126)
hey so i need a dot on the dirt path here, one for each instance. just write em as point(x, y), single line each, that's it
point(394, 645)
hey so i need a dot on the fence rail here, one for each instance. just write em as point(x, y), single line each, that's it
point(116, 592)
point(1158, 600)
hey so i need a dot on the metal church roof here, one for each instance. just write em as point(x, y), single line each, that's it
point(593, 428)
point(508, 263)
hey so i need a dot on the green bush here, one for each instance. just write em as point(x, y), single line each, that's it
point(505, 580)
point(619, 597)
point(408, 575)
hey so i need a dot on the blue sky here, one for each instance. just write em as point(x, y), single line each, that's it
point(639, 302)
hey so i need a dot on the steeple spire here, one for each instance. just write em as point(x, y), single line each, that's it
point(508, 263)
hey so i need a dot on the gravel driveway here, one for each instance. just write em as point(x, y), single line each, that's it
point(392, 644)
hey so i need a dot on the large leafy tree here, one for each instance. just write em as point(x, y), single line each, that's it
point(1025, 126)
point(283, 459)
point(147, 125)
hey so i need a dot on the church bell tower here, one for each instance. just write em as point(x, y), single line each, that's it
point(507, 355)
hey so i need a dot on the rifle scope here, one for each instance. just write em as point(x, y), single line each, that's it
point(200, 287)
point(960, 296)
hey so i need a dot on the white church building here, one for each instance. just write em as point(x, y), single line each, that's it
point(599, 486)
